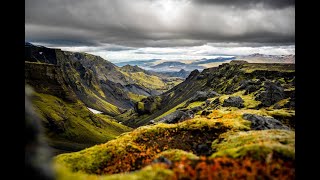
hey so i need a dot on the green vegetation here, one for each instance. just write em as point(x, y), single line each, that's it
point(249, 99)
point(141, 106)
point(256, 144)
point(136, 97)
point(195, 104)
point(73, 122)
point(171, 110)
point(138, 148)
point(177, 155)
point(209, 142)
point(154, 172)
point(148, 81)
point(251, 67)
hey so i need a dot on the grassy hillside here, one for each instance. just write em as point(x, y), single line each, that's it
point(255, 84)
point(71, 126)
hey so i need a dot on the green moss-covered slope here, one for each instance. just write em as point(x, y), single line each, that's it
point(71, 126)
point(260, 86)
point(234, 148)
point(138, 148)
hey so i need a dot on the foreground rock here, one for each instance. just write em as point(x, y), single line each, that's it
point(273, 93)
point(234, 101)
point(262, 123)
point(175, 117)
point(202, 96)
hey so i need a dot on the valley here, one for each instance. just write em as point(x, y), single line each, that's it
point(103, 121)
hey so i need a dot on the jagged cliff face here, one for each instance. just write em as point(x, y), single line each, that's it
point(48, 79)
point(68, 124)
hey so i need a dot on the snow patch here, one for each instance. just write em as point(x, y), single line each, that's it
point(95, 111)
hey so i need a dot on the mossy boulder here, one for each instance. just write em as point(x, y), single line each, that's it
point(176, 116)
point(260, 144)
point(233, 101)
point(203, 95)
point(263, 122)
point(272, 93)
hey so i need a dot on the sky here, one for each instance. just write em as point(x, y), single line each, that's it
point(126, 30)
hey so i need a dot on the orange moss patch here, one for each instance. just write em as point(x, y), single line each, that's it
point(136, 149)
point(228, 168)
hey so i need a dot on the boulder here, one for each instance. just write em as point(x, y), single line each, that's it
point(162, 159)
point(250, 86)
point(262, 122)
point(202, 96)
point(206, 112)
point(195, 109)
point(233, 101)
point(272, 94)
point(203, 150)
point(175, 117)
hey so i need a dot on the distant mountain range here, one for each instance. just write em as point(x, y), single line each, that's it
point(168, 66)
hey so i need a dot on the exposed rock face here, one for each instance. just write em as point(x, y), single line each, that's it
point(202, 96)
point(234, 101)
point(272, 93)
point(199, 96)
point(148, 105)
point(262, 123)
point(203, 150)
point(175, 117)
point(193, 74)
point(47, 78)
point(162, 159)
point(250, 85)
point(290, 94)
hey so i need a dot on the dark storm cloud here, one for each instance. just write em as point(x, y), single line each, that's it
point(159, 23)
point(248, 3)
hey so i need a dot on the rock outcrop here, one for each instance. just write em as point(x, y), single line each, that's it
point(177, 116)
point(262, 123)
point(272, 93)
point(233, 101)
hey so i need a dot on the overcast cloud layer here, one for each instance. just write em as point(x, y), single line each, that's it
point(126, 29)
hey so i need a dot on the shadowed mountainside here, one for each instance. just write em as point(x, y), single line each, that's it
point(98, 83)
